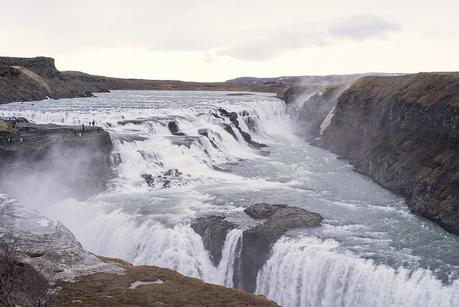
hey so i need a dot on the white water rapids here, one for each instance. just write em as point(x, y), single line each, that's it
point(370, 250)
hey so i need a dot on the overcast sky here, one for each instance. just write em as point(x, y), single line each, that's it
point(212, 40)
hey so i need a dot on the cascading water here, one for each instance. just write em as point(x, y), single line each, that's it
point(312, 272)
point(178, 156)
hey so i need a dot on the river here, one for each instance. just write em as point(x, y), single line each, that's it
point(370, 250)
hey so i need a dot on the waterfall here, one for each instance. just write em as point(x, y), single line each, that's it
point(308, 271)
point(169, 174)
point(229, 256)
point(144, 241)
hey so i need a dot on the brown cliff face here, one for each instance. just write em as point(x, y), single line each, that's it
point(404, 133)
point(26, 79)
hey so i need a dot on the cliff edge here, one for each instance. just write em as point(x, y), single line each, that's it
point(49, 162)
point(403, 132)
point(26, 79)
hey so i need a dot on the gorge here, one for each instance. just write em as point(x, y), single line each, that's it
point(241, 190)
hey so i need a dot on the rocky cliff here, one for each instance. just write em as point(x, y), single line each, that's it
point(25, 79)
point(53, 161)
point(403, 132)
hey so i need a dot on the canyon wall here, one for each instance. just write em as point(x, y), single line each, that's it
point(403, 132)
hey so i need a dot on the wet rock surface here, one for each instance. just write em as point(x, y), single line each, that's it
point(403, 133)
point(174, 129)
point(164, 180)
point(213, 230)
point(233, 117)
point(75, 158)
point(257, 241)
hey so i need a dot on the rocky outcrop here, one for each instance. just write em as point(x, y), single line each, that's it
point(66, 160)
point(233, 117)
point(174, 129)
point(25, 79)
point(213, 230)
point(404, 133)
point(273, 221)
point(257, 241)
point(55, 259)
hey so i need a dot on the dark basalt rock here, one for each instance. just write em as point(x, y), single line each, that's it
point(230, 131)
point(233, 117)
point(75, 158)
point(164, 180)
point(205, 132)
point(403, 133)
point(184, 140)
point(257, 241)
point(213, 230)
point(174, 129)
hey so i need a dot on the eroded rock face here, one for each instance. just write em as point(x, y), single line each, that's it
point(257, 241)
point(64, 160)
point(25, 79)
point(213, 230)
point(233, 117)
point(404, 133)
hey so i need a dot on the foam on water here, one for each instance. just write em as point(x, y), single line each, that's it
point(371, 251)
point(311, 272)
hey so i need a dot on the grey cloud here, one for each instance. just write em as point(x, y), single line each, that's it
point(56, 26)
point(362, 27)
point(272, 45)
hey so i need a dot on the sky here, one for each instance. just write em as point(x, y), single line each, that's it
point(206, 40)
